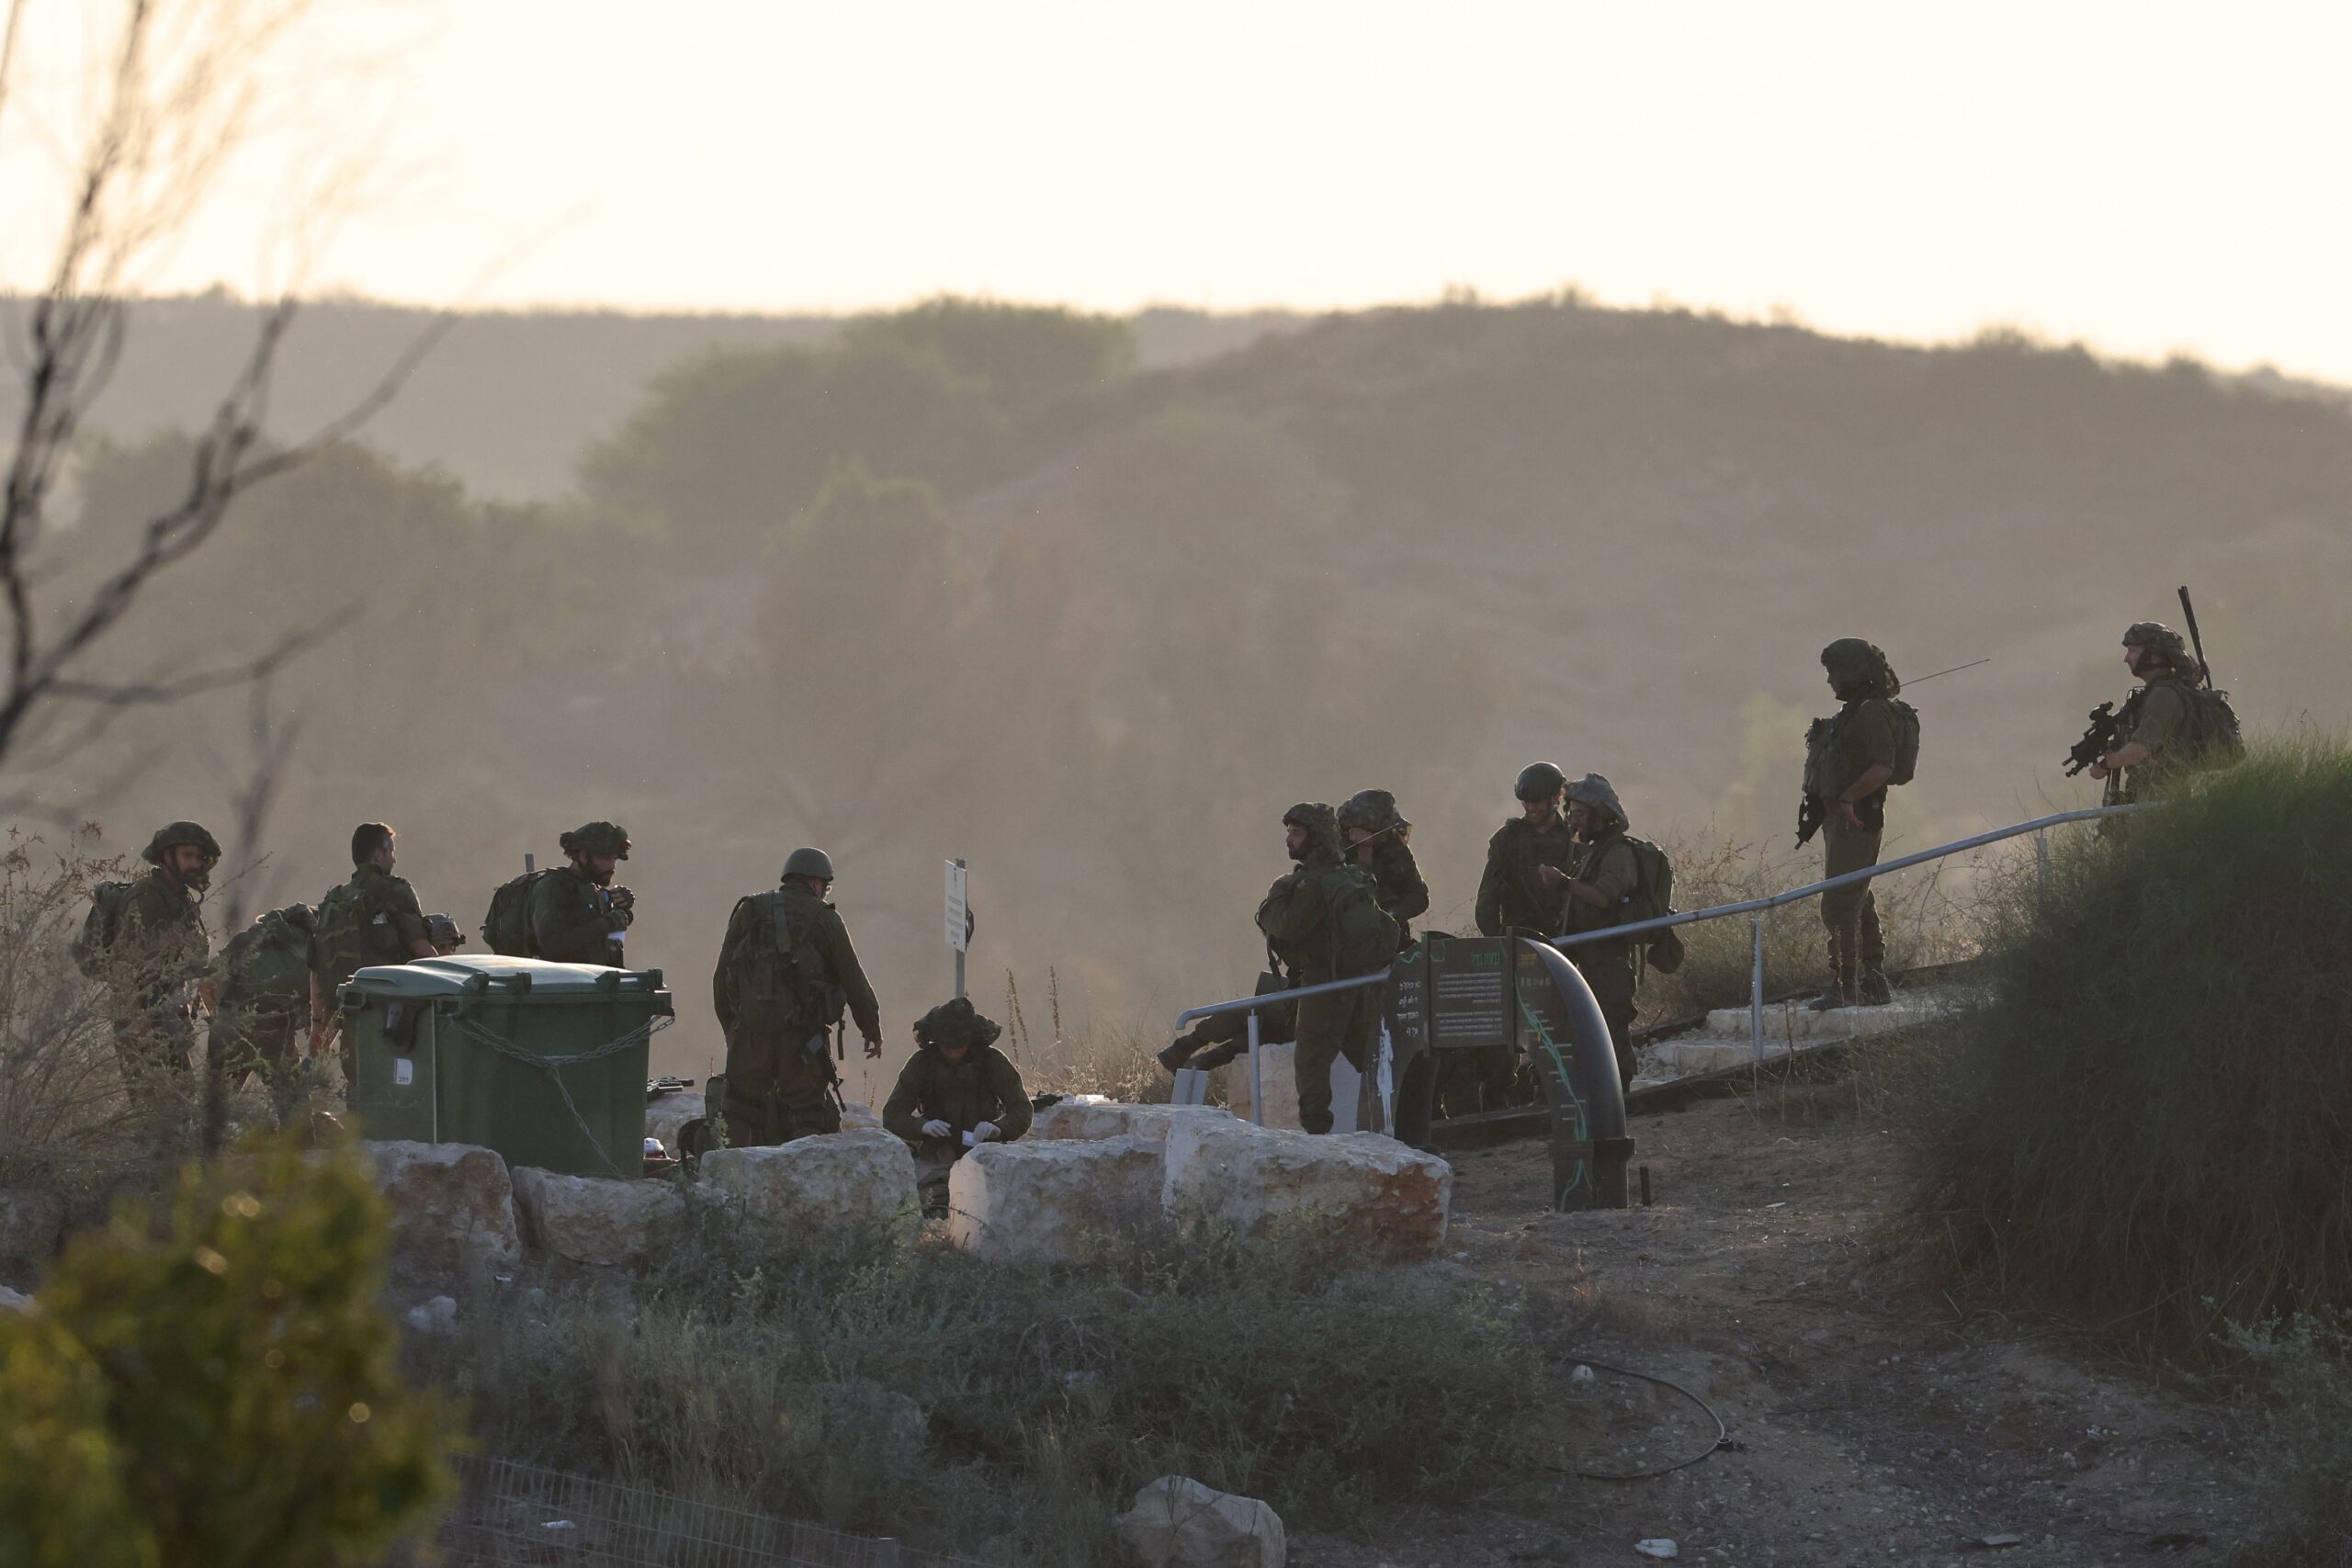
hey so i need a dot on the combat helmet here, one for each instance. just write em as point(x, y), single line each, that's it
point(955, 1023)
point(1374, 811)
point(1322, 825)
point(2169, 645)
point(172, 835)
point(1540, 781)
point(808, 861)
point(1597, 792)
point(1852, 661)
point(596, 839)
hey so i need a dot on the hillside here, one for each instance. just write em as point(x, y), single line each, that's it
point(990, 582)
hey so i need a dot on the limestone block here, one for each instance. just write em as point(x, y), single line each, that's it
point(813, 1187)
point(31, 1224)
point(1382, 1198)
point(1092, 1118)
point(453, 1206)
point(595, 1219)
point(664, 1116)
point(1037, 1201)
point(858, 1117)
point(1278, 1065)
point(1176, 1522)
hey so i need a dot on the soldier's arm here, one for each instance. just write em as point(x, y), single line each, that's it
point(902, 1112)
point(1490, 891)
point(1614, 876)
point(408, 918)
point(1013, 1115)
point(855, 986)
point(722, 979)
point(1412, 893)
point(564, 927)
point(2154, 727)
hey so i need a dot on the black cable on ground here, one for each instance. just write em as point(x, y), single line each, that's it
point(1723, 1433)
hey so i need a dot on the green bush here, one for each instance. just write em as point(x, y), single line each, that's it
point(2142, 1127)
point(1042, 1399)
point(221, 1388)
point(2305, 1451)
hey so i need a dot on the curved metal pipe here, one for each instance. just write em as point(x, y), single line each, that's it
point(1589, 1149)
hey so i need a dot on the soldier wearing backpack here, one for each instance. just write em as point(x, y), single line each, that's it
point(146, 939)
point(1525, 884)
point(577, 915)
point(264, 1006)
point(2173, 721)
point(372, 920)
point(1325, 922)
point(1380, 840)
point(1600, 891)
point(1851, 760)
point(786, 972)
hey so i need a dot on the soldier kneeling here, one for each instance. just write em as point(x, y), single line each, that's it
point(958, 1092)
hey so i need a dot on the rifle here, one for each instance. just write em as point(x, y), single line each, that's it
point(1811, 815)
point(2097, 741)
point(2188, 613)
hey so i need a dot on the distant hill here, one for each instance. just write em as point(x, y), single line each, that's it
point(998, 582)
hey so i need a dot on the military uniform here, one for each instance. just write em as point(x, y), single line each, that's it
point(2157, 717)
point(371, 921)
point(1862, 736)
point(779, 1065)
point(257, 1021)
point(1297, 920)
point(1396, 883)
point(983, 1086)
point(1511, 893)
point(160, 951)
point(573, 918)
point(1607, 865)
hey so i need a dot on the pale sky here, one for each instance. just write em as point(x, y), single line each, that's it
point(2146, 177)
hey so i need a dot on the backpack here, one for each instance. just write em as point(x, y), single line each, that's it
point(507, 926)
point(342, 935)
point(100, 927)
point(1653, 899)
point(780, 983)
point(1906, 740)
point(2215, 735)
point(268, 962)
point(1821, 749)
point(1364, 935)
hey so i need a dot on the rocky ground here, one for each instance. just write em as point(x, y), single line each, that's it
point(1872, 1420)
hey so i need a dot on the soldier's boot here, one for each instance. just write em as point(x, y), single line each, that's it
point(1175, 1055)
point(1871, 990)
point(1841, 993)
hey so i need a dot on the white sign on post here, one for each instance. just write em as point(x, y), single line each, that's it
point(959, 927)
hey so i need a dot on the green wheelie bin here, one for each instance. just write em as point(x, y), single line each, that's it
point(483, 1050)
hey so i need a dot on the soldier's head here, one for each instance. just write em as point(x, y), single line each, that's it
point(184, 854)
point(954, 1029)
point(1369, 815)
point(1858, 669)
point(596, 849)
point(1538, 790)
point(371, 844)
point(1310, 826)
point(2152, 647)
point(807, 868)
point(1593, 806)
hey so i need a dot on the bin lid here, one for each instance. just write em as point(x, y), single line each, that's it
point(464, 973)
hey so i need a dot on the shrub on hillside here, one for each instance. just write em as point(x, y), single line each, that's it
point(2142, 1127)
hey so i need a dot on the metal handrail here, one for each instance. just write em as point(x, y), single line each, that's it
point(1755, 908)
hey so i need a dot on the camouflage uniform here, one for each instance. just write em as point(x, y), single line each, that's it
point(258, 1027)
point(984, 1087)
point(1296, 918)
point(1862, 736)
point(573, 917)
point(779, 1065)
point(1608, 866)
point(1511, 896)
point(2159, 714)
point(160, 951)
point(1396, 876)
point(388, 922)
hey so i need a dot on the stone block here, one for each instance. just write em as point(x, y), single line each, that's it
point(664, 1116)
point(1037, 1201)
point(859, 1117)
point(1092, 1118)
point(453, 1206)
point(32, 1223)
point(1176, 1522)
point(814, 1187)
point(595, 1219)
point(1278, 1066)
point(1379, 1198)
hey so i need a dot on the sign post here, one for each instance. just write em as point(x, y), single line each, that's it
point(959, 918)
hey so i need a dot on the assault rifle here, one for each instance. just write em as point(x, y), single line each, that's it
point(1811, 814)
point(2097, 741)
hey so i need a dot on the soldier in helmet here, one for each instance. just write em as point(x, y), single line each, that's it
point(955, 1093)
point(1528, 859)
point(1379, 839)
point(577, 915)
point(1309, 922)
point(158, 956)
point(786, 972)
point(1851, 760)
point(1606, 876)
point(371, 921)
point(2155, 734)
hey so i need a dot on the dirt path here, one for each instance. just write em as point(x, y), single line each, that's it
point(1876, 1422)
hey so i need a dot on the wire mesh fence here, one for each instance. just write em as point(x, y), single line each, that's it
point(515, 1515)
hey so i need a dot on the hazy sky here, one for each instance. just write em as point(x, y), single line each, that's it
point(2148, 177)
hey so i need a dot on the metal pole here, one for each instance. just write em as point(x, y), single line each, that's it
point(1256, 1078)
point(2041, 860)
point(959, 951)
point(1756, 984)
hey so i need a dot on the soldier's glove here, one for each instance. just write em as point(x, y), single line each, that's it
point(934, 1128)
point(983, 1131)
point(624, 905)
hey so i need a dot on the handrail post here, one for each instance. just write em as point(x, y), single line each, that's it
point(1256, 1078)
point(1755, 986)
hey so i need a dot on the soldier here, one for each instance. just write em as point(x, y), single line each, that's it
point(1318, 920)
point(1379, 839)
point(1606, 876)
point(263, 1010)
point(1850, 761)
point(1526, 881)
point(2156, 731)
point(372, 920)
point(786, 972)
point(157, 956)
point(956, 1092)
point(577, 915)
